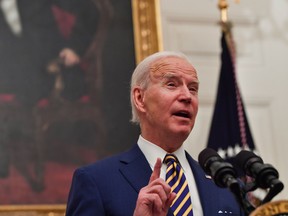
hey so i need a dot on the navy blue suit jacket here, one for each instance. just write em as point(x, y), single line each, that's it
point(111, 187)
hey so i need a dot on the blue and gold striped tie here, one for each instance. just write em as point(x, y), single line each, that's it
point(176, 179)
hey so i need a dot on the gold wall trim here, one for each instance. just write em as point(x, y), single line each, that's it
point(31, 210)
point(147, 27)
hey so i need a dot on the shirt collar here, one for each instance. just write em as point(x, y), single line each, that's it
point(152, 152)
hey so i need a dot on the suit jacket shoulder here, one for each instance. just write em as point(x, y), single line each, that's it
point(109, 186)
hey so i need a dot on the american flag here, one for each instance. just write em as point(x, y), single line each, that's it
point(230, 131)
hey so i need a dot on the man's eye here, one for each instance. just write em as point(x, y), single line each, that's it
point(171, 84)
point(193, 90)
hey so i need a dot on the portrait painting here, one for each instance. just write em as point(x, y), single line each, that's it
point(65, 70)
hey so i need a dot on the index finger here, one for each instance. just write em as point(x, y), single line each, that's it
point(157, 169)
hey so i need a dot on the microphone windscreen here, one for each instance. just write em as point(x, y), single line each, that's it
point(243, 157)
point(205, 155)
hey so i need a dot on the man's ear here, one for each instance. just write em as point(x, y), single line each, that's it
point(138, 98)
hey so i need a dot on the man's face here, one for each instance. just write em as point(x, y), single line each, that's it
point(171, 99)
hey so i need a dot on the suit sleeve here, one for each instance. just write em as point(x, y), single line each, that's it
point(84, 196)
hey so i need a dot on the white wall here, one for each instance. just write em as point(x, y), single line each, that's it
point(261, 36)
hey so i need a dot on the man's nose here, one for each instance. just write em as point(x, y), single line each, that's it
point(185, 95)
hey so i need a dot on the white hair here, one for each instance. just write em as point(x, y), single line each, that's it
point(140, 76)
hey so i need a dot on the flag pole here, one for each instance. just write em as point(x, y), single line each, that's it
point(223, 6)
point(225, 24)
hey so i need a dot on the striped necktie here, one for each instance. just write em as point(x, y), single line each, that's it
point(176, 179)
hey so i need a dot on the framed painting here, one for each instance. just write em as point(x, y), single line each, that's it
point(44, 140)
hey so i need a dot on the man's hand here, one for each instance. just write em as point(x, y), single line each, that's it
point(69, 57)
point(156, 197)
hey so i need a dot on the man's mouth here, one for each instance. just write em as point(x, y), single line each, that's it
point(183, 114)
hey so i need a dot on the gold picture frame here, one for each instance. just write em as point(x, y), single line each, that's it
point(147, 31)
point(32, 210)
point(147, 40)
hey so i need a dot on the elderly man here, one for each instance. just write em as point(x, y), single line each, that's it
point(157, 176)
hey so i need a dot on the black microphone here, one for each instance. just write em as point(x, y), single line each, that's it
point(265, 175)
point(222, 173)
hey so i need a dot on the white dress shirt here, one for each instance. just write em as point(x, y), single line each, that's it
point(152, 152)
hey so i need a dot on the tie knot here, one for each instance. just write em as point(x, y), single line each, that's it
point(170, 158)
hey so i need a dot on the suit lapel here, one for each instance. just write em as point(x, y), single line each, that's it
point(129, 167)
point(135, 168)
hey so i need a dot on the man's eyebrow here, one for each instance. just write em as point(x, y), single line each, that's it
point(173, 75)
point(170, 75)
point(195, 82)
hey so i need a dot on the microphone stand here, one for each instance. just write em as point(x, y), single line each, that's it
point(275, 188)
point(241, 193)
